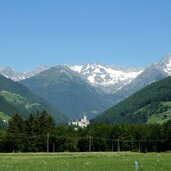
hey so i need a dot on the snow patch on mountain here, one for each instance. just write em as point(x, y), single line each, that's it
point(76, 68)
point(17, 76)
point(102, 76)
point(108, 78)
point(166, 63)
point(35, 71)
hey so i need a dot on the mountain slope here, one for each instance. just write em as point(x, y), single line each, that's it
point(150, 102)
point(69, 92)
point(148, 76)
point(151, 74)
point(16, 98)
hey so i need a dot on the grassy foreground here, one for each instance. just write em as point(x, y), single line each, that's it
point(123, 161)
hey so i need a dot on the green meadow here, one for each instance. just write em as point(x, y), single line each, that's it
point(101, 161)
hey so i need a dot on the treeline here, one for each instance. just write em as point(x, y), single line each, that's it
point(38, 133)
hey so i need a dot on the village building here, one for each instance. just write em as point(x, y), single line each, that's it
point(83, 123)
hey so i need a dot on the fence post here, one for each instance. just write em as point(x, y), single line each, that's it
point(118, 145)
point(90, 143)
point(139, 145)
point(53, 147)
point(48, 142)
point(112, 145)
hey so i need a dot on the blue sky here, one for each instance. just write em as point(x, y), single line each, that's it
point(122, 32)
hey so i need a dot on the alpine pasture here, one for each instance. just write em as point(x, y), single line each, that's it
point(101, 161)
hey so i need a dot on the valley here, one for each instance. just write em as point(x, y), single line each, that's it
point(91, 88)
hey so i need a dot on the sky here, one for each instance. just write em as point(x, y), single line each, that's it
point(55, 32)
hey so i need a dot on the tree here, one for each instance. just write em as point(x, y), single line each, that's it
point(43, 126)
point(167, 135)
point(15, 133)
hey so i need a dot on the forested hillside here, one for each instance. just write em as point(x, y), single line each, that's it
point(16, 98)
point(151, 104)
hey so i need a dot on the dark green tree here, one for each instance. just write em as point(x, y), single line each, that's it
point(167, 135)
point(42, 129)
point(15, 133)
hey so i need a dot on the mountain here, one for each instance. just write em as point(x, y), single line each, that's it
point(153, 73)
point(17, 76)
point(35, 71)
point(16, 98)
point(69, 92)
point(148, 76)
point(150, 104)
point(165, 64)
point(11, 74)
point(108, 78)
point(66, 87)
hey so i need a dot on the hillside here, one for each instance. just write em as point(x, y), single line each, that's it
point(151, 104)
point(16, 98)
point(69, 92)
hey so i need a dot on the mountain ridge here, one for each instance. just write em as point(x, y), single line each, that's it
point(68, 91)
point(108, 78)
point(16, 98)
point(152, 73)
point(14, 75)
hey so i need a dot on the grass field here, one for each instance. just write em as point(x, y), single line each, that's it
point(123, 161)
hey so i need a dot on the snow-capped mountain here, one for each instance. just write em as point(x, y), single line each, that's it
point(107, 77)
point(17, 76)
point(77, 88)
point(69, 92)
point(12, 74)
point(152, 73)
point(165, 64)
point(35, 71)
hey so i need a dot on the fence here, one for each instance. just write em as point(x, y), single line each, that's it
point(48, 143)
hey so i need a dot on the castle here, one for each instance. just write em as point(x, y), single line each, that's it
point(83, 123)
